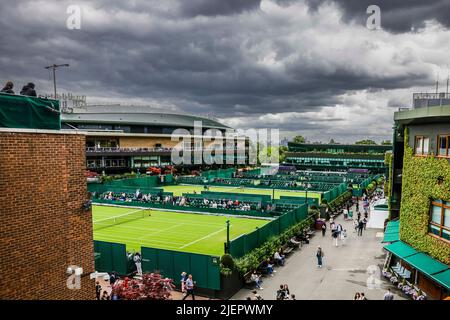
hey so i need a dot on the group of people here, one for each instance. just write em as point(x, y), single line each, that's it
point(27, 90)
point(160, 198)
point(359, 296)
point(337, 232)
point(284, 294)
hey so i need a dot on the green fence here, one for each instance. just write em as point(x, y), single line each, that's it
point(220, 173)
point(335, 192)
point(29, 112)
point(296, 200)
point(247, 242)
point(204, 269)
point(111, 257)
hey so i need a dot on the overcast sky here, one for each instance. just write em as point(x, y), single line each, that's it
point(308, 67)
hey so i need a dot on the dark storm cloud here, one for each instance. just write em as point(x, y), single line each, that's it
point(396, 15)
point(216, 7)
point(231, 59)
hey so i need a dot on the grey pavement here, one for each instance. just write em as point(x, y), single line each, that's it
point(344, 272)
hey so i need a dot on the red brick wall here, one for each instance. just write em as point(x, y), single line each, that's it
point(43, 226)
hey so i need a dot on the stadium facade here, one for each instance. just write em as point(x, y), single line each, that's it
point(419, 196)
point(337, 157)
point(120, 139)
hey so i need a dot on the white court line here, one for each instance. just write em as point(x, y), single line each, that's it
point(117, 216)
point(205, 237)
point(130, 239)
point(163, 230)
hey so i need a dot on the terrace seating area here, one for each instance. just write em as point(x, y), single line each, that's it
point(292, 245)
point(190, 179)
point(224, 201)
point(233, 182)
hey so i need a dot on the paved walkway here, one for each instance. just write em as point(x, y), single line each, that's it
point(343, 274)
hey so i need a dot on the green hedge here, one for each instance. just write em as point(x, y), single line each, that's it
point(339, 200)
point(419, 187)
point(252, 260)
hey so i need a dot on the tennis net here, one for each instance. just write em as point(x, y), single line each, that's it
point(123, 218)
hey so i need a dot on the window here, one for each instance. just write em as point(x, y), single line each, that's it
point(443, 146)
point(440, 219)
point(422, 145)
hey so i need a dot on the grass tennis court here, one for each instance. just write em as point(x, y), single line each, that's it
point(187, 232)
point(178, 190)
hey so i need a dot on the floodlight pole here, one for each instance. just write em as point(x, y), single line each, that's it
point(53, 67)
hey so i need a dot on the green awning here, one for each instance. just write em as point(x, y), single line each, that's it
point(442, 278)
point(394, 223)
point(426, 264)
point(391, 233)
point(392, 230)
point(400, 249)
point(391, 237)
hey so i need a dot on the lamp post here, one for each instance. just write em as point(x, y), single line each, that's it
point(228, 236)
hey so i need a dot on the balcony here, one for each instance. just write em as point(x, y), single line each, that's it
point(123, 151)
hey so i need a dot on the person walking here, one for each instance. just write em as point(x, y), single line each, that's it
point(360, 227)
point(189, 288)
point(183, 283)
point(335, 234)
point(319, 254)
point(324, 229)
point(281, 293)
point(388, 295)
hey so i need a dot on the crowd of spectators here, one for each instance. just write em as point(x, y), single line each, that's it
point(160, 198)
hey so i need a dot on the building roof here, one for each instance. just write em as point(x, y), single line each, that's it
point(141, 118)
point(438, 114)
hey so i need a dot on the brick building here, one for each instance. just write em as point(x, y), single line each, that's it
point(43, 226)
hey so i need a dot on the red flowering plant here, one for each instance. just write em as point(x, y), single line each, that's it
point(152, 287)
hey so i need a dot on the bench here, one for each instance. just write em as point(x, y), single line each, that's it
point(287, 249)
point(309, 232)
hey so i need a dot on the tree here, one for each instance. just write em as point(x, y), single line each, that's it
point(298, 139)
point(386, 142)
point(332, 141)
point(367, 141)
point(152, 287)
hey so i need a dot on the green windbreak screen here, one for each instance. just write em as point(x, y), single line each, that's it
point(29, 112)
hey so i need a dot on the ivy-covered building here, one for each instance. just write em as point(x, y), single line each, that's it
point(419, 197)
point(337, 157)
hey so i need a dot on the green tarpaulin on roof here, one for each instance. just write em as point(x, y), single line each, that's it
point(29, 112)
point(425, 263)
point(442, 278)
point(400, 249)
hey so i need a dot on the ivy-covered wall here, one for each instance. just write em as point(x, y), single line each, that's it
point(419, 186)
